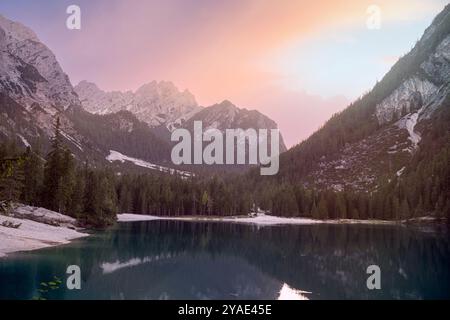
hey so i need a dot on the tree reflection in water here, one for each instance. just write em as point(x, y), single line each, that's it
point(199, 260)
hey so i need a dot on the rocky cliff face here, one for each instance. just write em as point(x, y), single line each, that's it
point(29, 70)
point(226, 115)
point(421, 88)
point(156, 103)
point(162, 104)
point(33, 88)
point(34, 92)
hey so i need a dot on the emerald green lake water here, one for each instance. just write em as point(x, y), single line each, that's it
point(200, 260)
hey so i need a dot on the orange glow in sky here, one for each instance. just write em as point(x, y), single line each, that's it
point(296, 61)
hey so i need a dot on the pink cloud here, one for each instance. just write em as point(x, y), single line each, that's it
point(297, 113)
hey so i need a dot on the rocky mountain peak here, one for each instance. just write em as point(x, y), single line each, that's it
point(30, 72)
point(86, 85)
point(15, 31)
point(226, 108)
point(156, 103)
point(226, 115)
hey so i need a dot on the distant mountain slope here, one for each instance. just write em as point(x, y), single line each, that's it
point(120, 131)
point(376, 137)
point(226, 115)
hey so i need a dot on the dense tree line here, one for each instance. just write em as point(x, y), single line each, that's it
point(57, 183)
point(94, 196)
point(422, 189)
point(173, 196)
point(425, 191)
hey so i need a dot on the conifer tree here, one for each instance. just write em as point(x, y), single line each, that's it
point(53, 193)
point(33, 175)
point(322, 208)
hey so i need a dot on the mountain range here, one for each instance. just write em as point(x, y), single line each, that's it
point(383, 136)
point(34, 91)
point(155, 103)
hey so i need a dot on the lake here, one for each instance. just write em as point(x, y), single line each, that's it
point(217, 260)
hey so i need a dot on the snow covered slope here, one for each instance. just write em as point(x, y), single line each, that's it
point(117, 156)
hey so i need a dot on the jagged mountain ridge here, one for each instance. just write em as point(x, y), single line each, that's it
point(30, 72)
point(156, 103)
point(33, 87)
point(35, 91)
point(226, 115)
point(162, 104)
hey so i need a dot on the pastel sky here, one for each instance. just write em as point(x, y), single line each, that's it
point(296, 61)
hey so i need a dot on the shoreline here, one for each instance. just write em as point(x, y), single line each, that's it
point(261, 220)
point(40, 228)
point(37, 228)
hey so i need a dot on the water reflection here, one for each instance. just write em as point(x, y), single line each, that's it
point(198, 260)
point(288, 293)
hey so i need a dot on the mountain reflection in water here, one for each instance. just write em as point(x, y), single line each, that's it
point(204, 260)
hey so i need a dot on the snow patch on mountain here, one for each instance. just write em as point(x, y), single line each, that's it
point(24, 141)
point(400, 172)
point(75, 142)
point(117, 156)
point(411, 122)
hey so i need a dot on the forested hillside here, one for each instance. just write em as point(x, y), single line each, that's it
point(95, 195)
point(386, 156)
